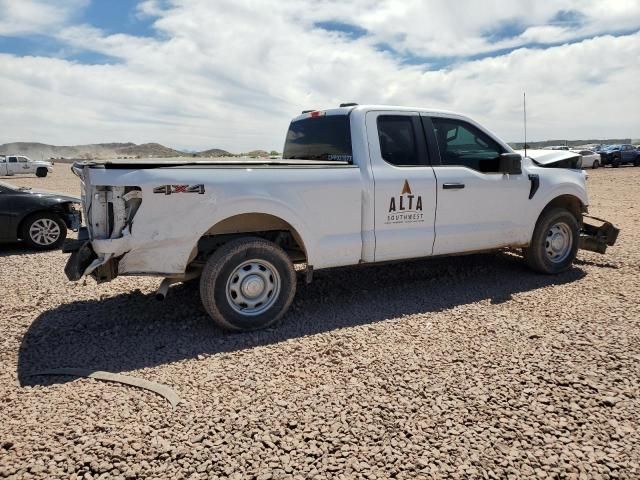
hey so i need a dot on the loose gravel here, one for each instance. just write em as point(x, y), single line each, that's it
point(469, 367)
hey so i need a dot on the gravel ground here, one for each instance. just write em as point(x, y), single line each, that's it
point(470, 367)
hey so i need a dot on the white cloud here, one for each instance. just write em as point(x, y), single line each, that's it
point(231, 76)
point(19, 17)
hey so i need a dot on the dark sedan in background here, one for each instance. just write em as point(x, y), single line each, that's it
point(39, 218)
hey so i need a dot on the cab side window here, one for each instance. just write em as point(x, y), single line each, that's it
point(22, 160)
point(460, 143)
point(398, 140)
point(13, 160)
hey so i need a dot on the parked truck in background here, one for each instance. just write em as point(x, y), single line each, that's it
point(355, 185)
point(19, 164)
point(616, 155)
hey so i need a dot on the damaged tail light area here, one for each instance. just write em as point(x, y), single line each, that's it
point(111, 211)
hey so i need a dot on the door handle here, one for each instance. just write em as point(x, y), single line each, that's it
point(452, 186)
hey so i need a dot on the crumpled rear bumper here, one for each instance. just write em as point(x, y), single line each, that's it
point(597, 238)
point(84, 260)
point(81, 255)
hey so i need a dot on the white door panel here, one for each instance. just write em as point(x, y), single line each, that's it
point(405, 198)
point(13, 165)
point(479, 208)
point(487, 213)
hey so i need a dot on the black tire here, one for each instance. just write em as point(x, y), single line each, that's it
point(636, 162)
point(39, 233)
point(223, 269)
point(596, 164)
point(615, 163)
point(41, 172)
point(537, 256)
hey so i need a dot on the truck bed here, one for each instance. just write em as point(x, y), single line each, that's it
point(224, 162)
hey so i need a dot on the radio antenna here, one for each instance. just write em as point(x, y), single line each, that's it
point(524, 108)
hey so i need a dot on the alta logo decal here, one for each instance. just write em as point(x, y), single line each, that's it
point(169, 189)
point(406, 208)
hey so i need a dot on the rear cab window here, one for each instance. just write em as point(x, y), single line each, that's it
point(319, 137)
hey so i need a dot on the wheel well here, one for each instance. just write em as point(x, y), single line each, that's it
point(36, 212)
point(571, 203)
point(260, 225)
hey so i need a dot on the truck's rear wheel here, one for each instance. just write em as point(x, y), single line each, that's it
point(41, 172)
point(247, 284)
point(554, 244)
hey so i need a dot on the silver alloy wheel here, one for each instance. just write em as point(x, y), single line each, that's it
point(44, 231)
point(253, 287)
point(559, 242)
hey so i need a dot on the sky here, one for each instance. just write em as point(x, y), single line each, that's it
point(230, 74)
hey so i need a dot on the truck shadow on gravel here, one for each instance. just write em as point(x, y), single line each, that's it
point(133, 331)
point(15, 248)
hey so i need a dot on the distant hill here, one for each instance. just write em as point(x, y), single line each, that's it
point(214, 152)
point(148, 150)
point(101, 151)
point(256, 153)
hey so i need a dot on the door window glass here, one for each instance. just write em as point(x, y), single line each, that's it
point(398, 140)
point(461, 143)
point(22, 160)
point(13, 160)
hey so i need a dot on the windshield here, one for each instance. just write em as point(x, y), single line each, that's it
point(325, 137)
point(611, 147)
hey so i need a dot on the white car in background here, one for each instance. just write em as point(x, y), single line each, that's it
point(556, 147)
point(19, 164)
point(590, 159)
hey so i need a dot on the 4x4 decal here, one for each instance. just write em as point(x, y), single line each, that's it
point(169, 189)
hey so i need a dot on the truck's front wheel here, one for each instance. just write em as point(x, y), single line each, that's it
point(555, 240)
point(41, 172)
point(247, 284)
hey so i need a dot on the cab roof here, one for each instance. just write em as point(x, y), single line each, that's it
point(365, 108)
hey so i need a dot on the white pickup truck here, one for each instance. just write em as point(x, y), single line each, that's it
point(19, 164)
point(356, 184)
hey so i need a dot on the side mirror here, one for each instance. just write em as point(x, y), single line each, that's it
point(511, 163)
